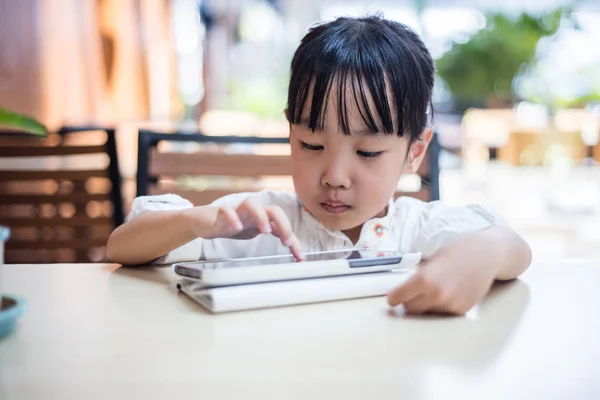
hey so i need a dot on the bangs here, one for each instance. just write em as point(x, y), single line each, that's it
point(354, 94)
point(369, 70)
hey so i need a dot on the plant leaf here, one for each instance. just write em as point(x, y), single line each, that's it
point(21, 122)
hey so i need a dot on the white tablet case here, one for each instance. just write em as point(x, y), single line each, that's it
point(285, 293)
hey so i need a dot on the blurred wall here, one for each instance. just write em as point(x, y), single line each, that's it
point(21, 56)
point(87, 61)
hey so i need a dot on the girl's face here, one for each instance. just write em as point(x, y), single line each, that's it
point(344, 181)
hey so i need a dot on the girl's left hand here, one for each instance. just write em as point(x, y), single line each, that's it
point(444, 285)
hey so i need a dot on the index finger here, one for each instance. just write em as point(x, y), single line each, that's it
point(407, 291)
point(296, 248)
point(283, 229)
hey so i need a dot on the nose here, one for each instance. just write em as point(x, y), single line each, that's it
point(336, 174)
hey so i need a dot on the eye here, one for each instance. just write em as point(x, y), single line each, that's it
point(311, 147)
point(369, 154)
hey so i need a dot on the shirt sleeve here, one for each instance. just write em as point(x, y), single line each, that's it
point(167, 202)
point(163, 202)
point(441, 225)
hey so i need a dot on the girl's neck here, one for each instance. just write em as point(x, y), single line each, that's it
point(354, 233)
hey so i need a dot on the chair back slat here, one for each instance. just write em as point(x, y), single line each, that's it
point(214, 164)
point(44, 151)
point(60, 195)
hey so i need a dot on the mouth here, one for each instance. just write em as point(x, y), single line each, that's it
point(335, 207)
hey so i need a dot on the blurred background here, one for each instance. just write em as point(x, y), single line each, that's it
point(517, 93)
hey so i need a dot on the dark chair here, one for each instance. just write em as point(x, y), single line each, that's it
point(198, 175)
point(61, 195)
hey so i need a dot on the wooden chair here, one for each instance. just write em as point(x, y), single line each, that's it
point(213, 170)
point(61, 195)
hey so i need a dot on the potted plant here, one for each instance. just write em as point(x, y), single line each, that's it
point(481, 71)
point(11, 307)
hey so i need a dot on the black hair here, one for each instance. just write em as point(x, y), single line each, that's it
point(373, 57)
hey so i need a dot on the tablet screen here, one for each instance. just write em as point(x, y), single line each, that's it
point(321, 256)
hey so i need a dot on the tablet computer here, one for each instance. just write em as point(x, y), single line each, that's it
point(277, 268)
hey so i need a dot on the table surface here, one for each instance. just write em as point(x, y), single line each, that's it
point(98, 331)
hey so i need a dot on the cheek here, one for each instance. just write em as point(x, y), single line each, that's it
point(302, 168)
point(382, 177)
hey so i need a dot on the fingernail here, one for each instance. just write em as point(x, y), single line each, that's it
point(266, 228)
point(239, 226)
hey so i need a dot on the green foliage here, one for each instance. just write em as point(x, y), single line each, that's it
point(483, 68)
point(266, 98)
point(19, 122)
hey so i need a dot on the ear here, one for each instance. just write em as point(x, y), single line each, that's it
point(417, 151)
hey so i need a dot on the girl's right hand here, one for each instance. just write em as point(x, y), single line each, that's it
point(247, 221)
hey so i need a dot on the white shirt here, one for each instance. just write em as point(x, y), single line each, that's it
point(410, 225)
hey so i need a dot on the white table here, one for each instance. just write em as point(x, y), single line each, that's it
point(96, 331)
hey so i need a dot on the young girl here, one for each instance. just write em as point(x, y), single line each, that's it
point(358, 101)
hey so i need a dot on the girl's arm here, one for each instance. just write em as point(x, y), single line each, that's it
point(459, 275)
point(154, 234)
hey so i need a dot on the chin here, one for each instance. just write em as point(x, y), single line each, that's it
point(338, 224)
